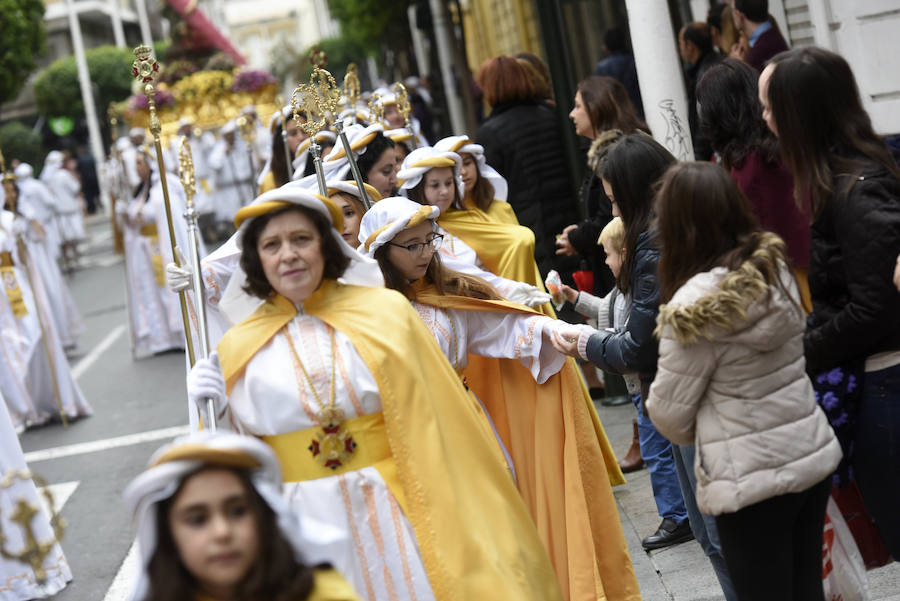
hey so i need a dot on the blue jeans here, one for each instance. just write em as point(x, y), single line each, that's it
point(876, 460)
point(657, 453)
point(703, 526)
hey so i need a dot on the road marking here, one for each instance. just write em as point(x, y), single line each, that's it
point(60, 492)
point(98, 350)
point(124, 581)
point(95, 446)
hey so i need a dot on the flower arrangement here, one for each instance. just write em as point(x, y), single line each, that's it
point(163, 99)
point(251, 80)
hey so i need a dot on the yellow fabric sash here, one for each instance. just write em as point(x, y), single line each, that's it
point(505, 249)
point(149, 230)
point(372, 449)
point(475, 535)
point(547, 427)
point(11, 285)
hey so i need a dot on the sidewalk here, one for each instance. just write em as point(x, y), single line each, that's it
point(682, 572)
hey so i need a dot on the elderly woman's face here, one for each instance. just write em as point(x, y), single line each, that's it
point(290, 250)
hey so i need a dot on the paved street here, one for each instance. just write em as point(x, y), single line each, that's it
point(140, 403)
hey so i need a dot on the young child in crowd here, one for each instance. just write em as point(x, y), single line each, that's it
point(611, 311)
point(213, 526)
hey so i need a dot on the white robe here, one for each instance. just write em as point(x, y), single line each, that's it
point(17, 579)
point(235, 178)
point(30, 344)
point(61, 305)
point(66, 188)
point(36, 202)
point(384, 560)
point(489, 334)
point(154, 311)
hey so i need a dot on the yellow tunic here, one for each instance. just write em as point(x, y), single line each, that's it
point(476, 537)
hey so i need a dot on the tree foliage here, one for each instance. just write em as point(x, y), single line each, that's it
point(373, 23)
point(57, 90)
point(19, 142)
point(22, 41)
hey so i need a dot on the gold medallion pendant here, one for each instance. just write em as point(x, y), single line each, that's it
point(333, 445)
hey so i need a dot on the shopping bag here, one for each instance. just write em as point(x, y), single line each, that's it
point(868, 540)
point(843, 571)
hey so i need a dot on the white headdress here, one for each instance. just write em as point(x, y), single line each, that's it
point(335, 165)
point(422, 160)
point(350, 187)
point(462, 144)
point(313, 542)
point(23, 171)
point(137, 131)
point(236, 304)
point(229, 127)
point(388, 218)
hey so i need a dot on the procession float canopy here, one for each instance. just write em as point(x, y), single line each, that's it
point(203, 79)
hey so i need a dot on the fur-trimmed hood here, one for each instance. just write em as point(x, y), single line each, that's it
point(738, 305)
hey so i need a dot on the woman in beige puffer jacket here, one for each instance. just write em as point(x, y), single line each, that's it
point(731, 380)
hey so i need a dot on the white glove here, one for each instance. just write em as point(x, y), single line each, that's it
point(528, 295)
point(206, 381)
point(178, 277)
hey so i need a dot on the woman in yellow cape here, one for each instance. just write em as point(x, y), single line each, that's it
point(376, 435)
point(560, 468)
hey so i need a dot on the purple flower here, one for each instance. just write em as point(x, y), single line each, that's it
point(830, 401)
point(835, 376)
point(251, 80)
point(840, 420)
point(851, 383)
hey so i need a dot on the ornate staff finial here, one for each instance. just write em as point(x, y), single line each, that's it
point(352, 90)
point(404, 108)
point(186, 164)
point(317, 57)
point(376, 108)
point(34, 552)
point(145, 69)
point(318, 100)
point(402, 100)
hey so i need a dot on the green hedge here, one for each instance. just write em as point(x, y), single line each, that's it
point(19, 142)
point(57, 90)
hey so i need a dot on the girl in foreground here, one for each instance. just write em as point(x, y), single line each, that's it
point(212, 526)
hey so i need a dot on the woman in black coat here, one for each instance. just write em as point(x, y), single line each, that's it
point(811, 102)
point(523, 142)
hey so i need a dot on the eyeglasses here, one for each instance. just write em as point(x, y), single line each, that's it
point(433, 243)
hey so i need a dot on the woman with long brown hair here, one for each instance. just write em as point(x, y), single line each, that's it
point(731, 382)
point(601, 104)
point(811, 102)
point(522, 141)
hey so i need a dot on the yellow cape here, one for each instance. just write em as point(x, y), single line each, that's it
point(475, 535)
point(505, 249)
point(563, 464)
point(268, 183)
